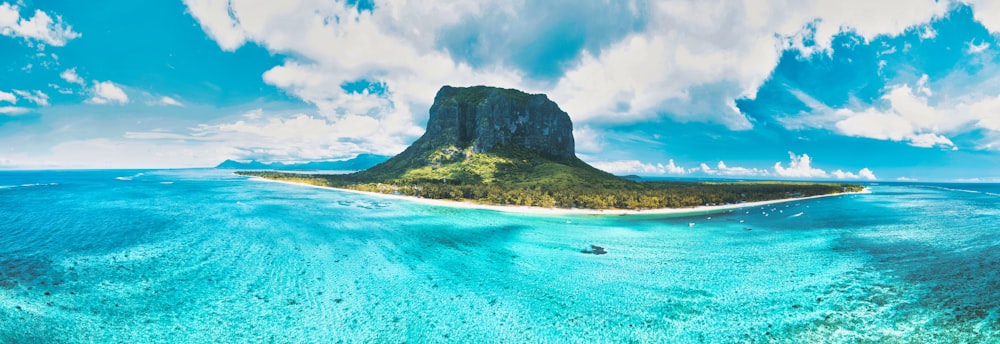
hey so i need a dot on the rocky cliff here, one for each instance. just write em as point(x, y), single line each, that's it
point(466, 122)
point(482, 118)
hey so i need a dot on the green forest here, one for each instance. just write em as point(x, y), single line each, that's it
point(516, 176)
point(625, 195)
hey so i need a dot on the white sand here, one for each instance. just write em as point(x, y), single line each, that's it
point(564, 211)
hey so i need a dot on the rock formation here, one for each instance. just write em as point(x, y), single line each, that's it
point(483, 118)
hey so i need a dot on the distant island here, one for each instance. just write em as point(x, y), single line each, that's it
point(498, 146)
point(358, 163)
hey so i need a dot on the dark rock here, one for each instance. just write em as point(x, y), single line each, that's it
point(486, 117)
point(594, 249)
point(482, 119)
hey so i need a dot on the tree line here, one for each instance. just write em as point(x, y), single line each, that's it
point(641, 195)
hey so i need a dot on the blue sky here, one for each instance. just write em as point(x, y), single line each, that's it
point(772, 89)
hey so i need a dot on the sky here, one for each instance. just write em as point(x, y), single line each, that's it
point(773, 89)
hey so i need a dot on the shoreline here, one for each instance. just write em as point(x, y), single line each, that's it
point(530, 210)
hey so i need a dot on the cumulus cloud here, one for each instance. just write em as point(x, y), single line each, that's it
point(726, 171)
point(673, 60)
point(587, 139)
point(986, 12)
point(36, 96)
point(277, 136)
point(106, 92)
point(692, 69)
point(977, 48)
point(908, 118)
point(7, 97)
point(165, 101)
point(12, 110)
point(70, 76)
point(915, 115)
point(864, 173)
point(40, 27)
point(639, 167)
point(218, 20)
point(799, 166)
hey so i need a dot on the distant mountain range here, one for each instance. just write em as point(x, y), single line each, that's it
point(361, 162)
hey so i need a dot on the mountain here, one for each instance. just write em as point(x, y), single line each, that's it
point(489, 135)
point(360, 162)
point(503, 146)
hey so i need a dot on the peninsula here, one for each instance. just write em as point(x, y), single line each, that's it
point(496, 146)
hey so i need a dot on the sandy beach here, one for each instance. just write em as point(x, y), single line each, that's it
point(564, 211)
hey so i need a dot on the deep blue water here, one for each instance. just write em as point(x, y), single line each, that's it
point(184, 256)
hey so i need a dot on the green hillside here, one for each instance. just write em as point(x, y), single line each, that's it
point(520, 177)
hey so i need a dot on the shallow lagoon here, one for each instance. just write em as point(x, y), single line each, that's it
point(206, 256)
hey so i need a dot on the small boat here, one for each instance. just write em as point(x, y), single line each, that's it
point(691, 224)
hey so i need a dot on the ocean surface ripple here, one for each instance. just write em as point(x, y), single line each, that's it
point(184, 256)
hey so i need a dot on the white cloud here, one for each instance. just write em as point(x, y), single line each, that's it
point(682, 64)
point(7, 97)
point(800, 166)
point(917, 116)
point(106, 92)
point(726, 171)
point(906, 179)
point(928, 32)
point(217, 20)
point(977, 48)
point(688, 66)
point(638, 167)
point(399, 50)
point(922, 87)
point(13, 110)
point(70, 76)
point(36, 96)
point(986, 12)
point(864, 173)
point(260, 135)
point(587, 139)
point(40, 27)
point(165, 101)
point(739, 171)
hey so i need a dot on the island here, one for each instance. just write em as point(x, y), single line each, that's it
point(504, 147)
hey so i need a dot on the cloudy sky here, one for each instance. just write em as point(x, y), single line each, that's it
point(839, 89)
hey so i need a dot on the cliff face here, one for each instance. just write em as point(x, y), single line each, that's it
point(479, 134)
point(485, 118)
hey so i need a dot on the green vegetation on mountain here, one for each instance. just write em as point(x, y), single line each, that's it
point(505, 147)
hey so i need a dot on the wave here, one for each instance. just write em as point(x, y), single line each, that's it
point(27, 185)
point(140, 174)
point(952, 189)
point(797, 215)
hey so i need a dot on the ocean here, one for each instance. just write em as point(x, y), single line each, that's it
point(205, 256)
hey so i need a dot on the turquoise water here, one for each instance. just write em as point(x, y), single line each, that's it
point(188, 256)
